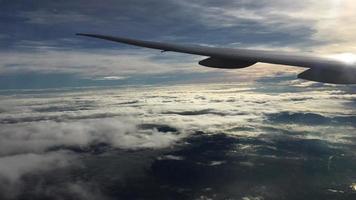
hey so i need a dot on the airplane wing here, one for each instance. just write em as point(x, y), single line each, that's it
point(321, 69)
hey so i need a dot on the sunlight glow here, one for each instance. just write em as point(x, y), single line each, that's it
point(353, 186)
point(348, 58)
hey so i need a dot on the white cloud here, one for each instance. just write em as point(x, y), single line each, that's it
point(113, 115)
point(96, 63)
point(120, 133)
point(83, 191)
point(45, 17)
point(236, 109)
point(332, 21)
point(103, 64)
point(3, 36)
point(268, 13)
point(13, 168)
point(111, 78)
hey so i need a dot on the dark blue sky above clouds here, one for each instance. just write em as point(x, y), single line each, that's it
point(38, 37)
point(187, 21)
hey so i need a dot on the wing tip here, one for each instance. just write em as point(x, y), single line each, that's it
point(83, 34)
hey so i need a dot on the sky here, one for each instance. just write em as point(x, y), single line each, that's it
point(37, 38)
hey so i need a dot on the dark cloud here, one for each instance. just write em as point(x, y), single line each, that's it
point(56, 118)
point(129, 102)
point(304, 118)
point(311, 119)
point(214, 163)
point(62, 108)
point(160, 127)
point(198, 112)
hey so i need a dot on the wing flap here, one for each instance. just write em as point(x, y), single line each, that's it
point(329, 76)
point(226, 63)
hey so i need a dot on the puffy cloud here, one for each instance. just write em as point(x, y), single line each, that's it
point(41, 136)
point(14, 168)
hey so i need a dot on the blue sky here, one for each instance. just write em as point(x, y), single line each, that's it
point(37, 37)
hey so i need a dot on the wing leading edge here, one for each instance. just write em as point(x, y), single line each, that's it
point(321, 69)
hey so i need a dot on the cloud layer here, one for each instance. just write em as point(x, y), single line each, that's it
point(88, 136)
